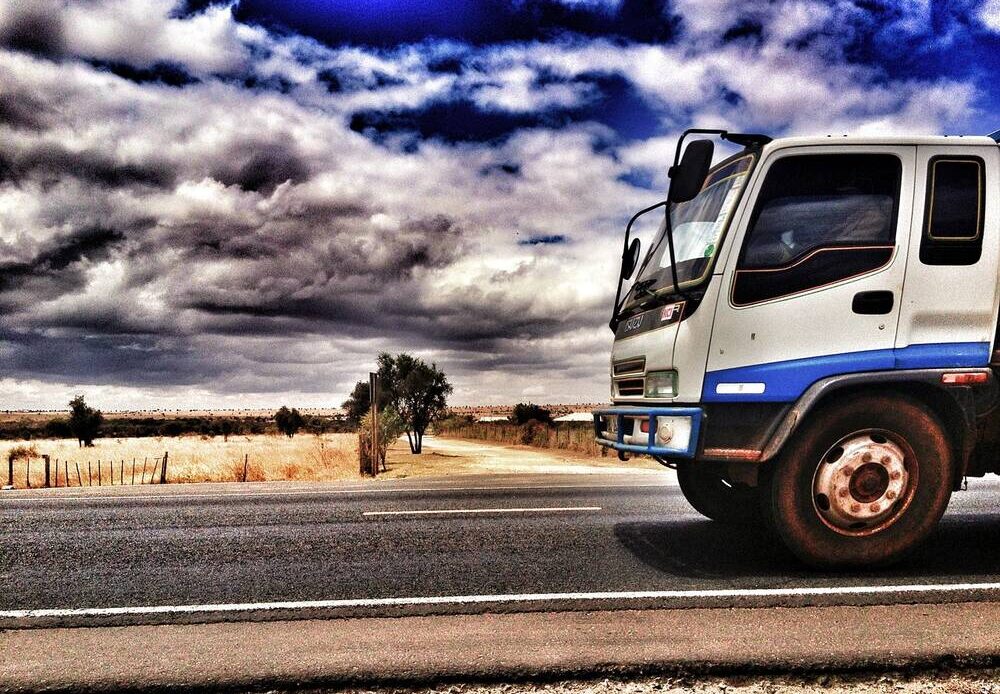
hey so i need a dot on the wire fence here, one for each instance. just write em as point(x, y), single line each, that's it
point(43, 471)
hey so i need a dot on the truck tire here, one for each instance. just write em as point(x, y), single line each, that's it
point(717, 498)
point(862, 483)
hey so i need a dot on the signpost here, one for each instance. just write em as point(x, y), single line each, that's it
point(373, 390)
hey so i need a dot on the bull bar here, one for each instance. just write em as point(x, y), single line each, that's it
point(633, 416)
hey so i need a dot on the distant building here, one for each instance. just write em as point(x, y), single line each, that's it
point(575, 417)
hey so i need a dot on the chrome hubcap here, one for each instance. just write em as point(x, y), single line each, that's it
point(860, 482)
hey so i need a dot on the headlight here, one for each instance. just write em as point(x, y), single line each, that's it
point(661, 384)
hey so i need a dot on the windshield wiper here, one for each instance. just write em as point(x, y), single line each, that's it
point(668, 234)
point(644, 287)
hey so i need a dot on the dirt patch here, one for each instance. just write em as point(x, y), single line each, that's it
point(447, 456)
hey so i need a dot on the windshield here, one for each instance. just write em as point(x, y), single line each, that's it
point(698, 225)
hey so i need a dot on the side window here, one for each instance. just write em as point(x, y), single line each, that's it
point(953, 221)
point(819, 219)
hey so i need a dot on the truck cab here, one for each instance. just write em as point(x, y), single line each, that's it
point(809, 339)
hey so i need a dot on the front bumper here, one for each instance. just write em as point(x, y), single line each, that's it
point(620, 428)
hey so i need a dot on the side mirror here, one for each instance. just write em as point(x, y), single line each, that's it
point(631, 259)
point(687, 178)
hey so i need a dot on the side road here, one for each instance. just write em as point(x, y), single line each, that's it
point(450, 456)
point(421, 650)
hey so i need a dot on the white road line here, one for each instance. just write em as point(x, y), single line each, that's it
point(458, 600)
point(456, 511)
point(322, 492)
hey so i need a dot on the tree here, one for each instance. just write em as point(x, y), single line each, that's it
point(289, 421)
point(415, 390)
point(526, 412)
point(359, 402)
point(84, 421)
point(226, 428)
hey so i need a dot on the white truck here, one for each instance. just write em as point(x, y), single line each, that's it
point(809, 340)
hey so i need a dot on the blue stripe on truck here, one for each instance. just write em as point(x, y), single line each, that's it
point(785, 381)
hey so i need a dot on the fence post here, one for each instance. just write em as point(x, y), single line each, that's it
point(163, 474)
point(27, 472)
point(46, 459)
point(246, 463)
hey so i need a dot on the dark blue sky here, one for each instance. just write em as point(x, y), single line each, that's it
point(897, 40)
point(389, 23)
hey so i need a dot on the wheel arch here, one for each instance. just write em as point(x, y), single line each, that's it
point(954, 406)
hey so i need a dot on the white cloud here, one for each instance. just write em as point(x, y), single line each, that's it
point(143, 33)
point(709, 16)
point(989, 15)
point(515, 89)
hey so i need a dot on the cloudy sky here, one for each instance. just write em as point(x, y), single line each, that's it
point(238, 204)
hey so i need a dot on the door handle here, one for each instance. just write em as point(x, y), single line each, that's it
point(875, 303)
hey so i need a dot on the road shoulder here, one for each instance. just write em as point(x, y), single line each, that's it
point(493, 647)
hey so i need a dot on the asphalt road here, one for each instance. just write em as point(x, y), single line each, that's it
point(459, 545)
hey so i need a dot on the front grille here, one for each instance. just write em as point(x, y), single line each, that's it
point(630, 366)
point(631, 386)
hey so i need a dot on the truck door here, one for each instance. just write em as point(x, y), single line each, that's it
point(814, 279)
point(950, 301)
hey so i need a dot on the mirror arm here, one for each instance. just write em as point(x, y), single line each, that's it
point(744, 139)
point(613, 324)
point(668, 231)
point(694, 131)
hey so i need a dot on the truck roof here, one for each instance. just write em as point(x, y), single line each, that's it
point(949, 140)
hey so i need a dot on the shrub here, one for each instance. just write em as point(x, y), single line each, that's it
point(22, 453)
point(534, 432)
point(391, 427)
point(527, 412)
point(57, 428)
point(254, 471)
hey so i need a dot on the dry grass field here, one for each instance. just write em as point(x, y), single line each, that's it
point(198, 459)
point(307, 457)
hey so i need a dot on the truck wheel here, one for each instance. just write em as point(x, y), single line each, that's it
point(715, 497)
point(862, 483)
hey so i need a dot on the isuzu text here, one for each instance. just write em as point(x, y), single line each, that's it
point(809, 340)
